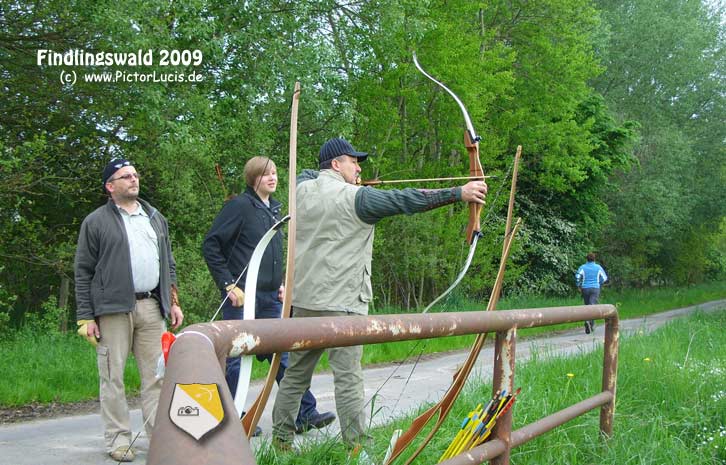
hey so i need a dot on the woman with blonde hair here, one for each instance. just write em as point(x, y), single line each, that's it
point(227, 249)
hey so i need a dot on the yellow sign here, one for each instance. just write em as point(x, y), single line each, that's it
point(196, 408)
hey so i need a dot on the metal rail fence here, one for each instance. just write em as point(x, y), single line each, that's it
point(199, 353)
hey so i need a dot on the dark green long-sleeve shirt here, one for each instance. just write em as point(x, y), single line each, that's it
point(372, 205)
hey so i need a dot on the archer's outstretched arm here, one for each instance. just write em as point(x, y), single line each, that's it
point(373, 205)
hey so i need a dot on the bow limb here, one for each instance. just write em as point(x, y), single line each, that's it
point(252, 417)
point(471, 142)
point(443, 407)
point(253, 269)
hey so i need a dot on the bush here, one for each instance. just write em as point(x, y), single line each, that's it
point(7, 301)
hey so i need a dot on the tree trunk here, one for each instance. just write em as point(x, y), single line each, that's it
point(421, 291)
point(63, 302)
point(402, 118)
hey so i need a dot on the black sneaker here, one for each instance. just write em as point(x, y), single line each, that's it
point(317, 421)
point(588, 328)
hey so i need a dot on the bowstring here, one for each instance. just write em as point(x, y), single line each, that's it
point(422, 343)
point(332, 442)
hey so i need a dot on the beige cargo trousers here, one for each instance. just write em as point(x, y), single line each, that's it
point(347, 378)
point(138, 332)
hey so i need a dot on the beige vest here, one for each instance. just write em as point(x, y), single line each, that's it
point(334, 248)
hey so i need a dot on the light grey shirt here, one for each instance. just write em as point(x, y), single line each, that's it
point(143, 248)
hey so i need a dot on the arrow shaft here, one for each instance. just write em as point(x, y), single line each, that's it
point(376, 182)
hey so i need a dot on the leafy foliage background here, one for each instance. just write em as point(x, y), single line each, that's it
point(618, 105)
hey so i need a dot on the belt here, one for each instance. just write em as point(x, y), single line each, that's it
point(144, 295)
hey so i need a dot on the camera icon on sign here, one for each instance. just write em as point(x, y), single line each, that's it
point(188, 411)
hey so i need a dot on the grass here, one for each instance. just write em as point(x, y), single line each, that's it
point(630, 303)
point(52, 368)
point(62, 368)
point(670, 409)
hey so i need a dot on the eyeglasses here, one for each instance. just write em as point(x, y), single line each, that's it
point(126, 177)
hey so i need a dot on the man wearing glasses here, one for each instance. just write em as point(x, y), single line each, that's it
point(125, 288)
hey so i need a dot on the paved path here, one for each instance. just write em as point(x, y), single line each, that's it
point(78, 440)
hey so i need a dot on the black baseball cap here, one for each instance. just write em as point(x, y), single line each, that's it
point(113, 166)
point(336, 147)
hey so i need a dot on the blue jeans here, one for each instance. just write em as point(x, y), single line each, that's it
point(590, 295)
point(267, 305)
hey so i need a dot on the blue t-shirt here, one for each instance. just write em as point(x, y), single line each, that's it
point(590, 275)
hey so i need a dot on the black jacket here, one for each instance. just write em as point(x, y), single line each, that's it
point(104, 283)
point(235, 232)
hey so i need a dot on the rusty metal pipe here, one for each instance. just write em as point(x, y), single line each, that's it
point(551, 422)
point(479, 454)
point(227, 444)
point(238, 337)
point(198, 347)
point(609, 374)
point(503, 380)
point(495, 447)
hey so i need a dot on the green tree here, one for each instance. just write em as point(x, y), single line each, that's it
point(523, 72)
point(665, 68)
point(523, 69)
point(56, 138)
